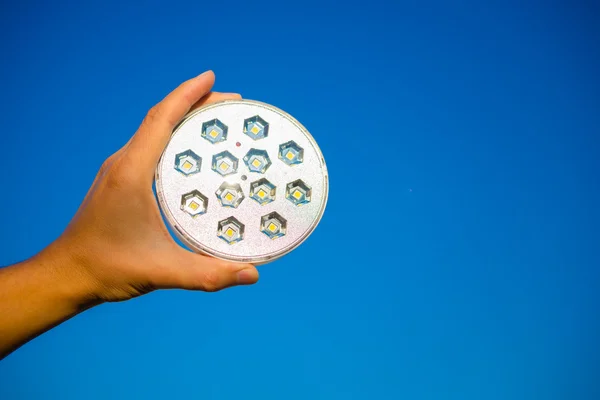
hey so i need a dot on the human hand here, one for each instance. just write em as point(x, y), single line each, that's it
point(117, 246)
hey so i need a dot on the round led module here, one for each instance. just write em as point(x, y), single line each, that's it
point(242, 181)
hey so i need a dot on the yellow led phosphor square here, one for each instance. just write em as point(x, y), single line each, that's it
point(254, 150)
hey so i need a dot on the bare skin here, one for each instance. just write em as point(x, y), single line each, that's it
point(116, 247)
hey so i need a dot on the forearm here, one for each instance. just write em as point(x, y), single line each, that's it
point(38, 294)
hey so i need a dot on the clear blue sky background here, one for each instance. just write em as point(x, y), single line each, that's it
point(458, 257)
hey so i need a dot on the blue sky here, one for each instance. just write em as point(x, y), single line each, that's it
point(457, 259)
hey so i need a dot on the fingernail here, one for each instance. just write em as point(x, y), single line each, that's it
point(246, 277)
point(205, 73)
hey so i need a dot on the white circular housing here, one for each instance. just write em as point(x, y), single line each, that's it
point(264, 192)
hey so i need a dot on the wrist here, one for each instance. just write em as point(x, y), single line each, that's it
point(72, 281)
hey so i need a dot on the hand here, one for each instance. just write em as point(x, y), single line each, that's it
point(117, 246)
point(117, 240)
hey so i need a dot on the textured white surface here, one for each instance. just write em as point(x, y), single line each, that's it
point(200, 233)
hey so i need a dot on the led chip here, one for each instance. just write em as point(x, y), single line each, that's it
point(188, 163)
point(298, 192)
point(256, 127)
point(194, 203)
point(214, 131)
point(290, 153)
point(230, 194)
point(230, 230)
point(273, 225)
point(262, 191)
point(224, 163)
point(257, 161)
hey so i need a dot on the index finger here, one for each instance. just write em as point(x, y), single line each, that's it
point(155, 131)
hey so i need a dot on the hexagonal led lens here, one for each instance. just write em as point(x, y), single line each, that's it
point(257, 161)
point(214, 131)
point(194, 203)
point(188, 162)
point(262, 191)
point(273, 225)
point(230, 230)
point(256, 127)
point(290, 153)
point(224, 163)
point(230, 194)
point(298, 192)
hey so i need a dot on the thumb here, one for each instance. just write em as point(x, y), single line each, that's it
point(192, 271)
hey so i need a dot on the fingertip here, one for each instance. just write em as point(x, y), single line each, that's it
point(247, 276)
point(205, 78)
point(207, 74)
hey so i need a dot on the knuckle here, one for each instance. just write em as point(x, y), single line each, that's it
point(152, 115)
point(120, 177)
point(153, 112)
point(106, 165)
point(114, 180)
point(210, 282)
